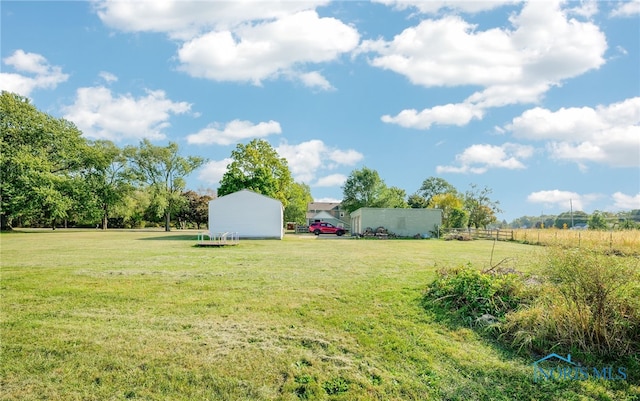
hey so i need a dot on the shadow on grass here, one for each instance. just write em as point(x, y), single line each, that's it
point(171, 237)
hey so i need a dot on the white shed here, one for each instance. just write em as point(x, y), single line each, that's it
point(248, 213)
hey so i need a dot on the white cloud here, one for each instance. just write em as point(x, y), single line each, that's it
point(108, 77)
point(478, 159)
point(101, 115)
point(333, 180)
point(28, 62)
point(315, 80)
point(585, 8)
point(267, 50)
point(450, 114)
point(626, 202)
point(33, 71)
point(244, 41)
point(234, 131)
point(622, 50)
point(344, 157)
point(627, 9)
point(604, 134)
point(305, 161)
point(327, 200)
point(563, 200)
point(186, 19)
point(518, 64)
point(212, 171)
point(433, 6)
point(307, 158)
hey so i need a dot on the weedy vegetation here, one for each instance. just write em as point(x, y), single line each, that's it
point(620, 242)
point(579, 301)
point(92, 315)
point(588, 303)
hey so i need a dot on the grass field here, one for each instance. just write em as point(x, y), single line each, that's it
point(90, 315)
point(625, 241)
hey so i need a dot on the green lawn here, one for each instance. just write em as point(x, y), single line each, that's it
point(91, 315)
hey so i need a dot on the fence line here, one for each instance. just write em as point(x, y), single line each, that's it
point(627, 241)
point(478, 233)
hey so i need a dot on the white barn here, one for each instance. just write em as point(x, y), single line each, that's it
point(247, 213)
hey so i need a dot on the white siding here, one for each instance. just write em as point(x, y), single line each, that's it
point(249, 214)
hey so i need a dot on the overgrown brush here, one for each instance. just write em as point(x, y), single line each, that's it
point(473, 293)
point(584, 301)
point(589, 303)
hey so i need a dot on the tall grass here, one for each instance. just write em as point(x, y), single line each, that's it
point(589, 302)
point(625, 241)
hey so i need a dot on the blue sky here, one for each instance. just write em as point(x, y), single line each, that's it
point(538, 101)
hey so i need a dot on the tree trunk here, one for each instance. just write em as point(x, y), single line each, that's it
point(4, 223)
point(167, 223)
point(105, 217)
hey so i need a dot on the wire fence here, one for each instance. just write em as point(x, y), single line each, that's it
point(626, 241)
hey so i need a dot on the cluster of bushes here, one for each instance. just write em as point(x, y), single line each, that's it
point(472, 293)
point(583, 301)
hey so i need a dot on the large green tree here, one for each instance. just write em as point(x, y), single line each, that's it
point(597, 221)
point(258, 167)
point(394, 197)
point(131, 211)
point(108, 179)
point(448, 203)
point(363, 188)
point(163, 170)
point(195, 209)
point(433, 186)
point(458, 218)
point(41, 160)
point(417, 201)
point(297, 201)
point(481, 208)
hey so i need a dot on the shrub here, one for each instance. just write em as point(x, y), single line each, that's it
point(590, 302)
point(472, 293)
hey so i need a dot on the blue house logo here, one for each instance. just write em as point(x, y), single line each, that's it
point(556, 367)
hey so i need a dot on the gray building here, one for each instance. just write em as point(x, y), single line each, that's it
point(402, 222)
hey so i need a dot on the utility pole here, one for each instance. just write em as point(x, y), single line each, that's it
point(571, 206)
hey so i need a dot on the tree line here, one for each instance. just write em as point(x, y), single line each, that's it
point(473, 208)
point(598, 220)
point(51, 175)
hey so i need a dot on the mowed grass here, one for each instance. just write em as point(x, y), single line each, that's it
point(90, 315)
